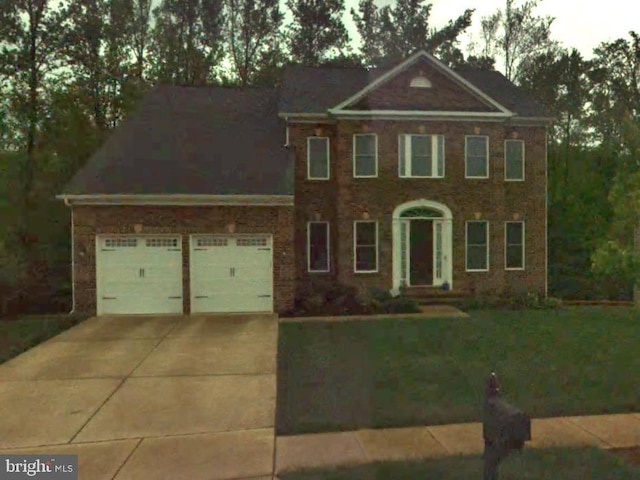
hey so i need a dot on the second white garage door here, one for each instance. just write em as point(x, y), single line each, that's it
point(231, 274)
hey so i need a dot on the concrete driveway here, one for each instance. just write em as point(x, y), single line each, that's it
point(148, 397)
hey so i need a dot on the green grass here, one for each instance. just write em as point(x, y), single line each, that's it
point(565, 464)
point(344, 376)
point(21, 333)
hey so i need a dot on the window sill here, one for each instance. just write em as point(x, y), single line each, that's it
point(477, 271)
point(514, 180)
point(432, 178)
point(366, 272)
point(514, 269)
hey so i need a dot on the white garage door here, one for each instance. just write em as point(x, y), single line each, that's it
point(231, 274)
point(139, 275)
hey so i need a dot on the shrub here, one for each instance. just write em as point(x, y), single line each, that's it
point(401, 305)
point(328, 298)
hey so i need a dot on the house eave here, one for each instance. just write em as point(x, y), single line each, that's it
point(419, 115)
point(177, 200)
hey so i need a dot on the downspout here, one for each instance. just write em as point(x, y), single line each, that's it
point(73, 262)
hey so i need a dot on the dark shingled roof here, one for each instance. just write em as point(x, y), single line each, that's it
point(315, 90)
point(194, 140)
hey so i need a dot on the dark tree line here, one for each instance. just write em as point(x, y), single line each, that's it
point(71, 70)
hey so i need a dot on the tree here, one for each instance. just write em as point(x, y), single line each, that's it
point(140, 32)
point(187, 41)
point(616, 93)
point(390, 34)
point(516, 36)
point(253, 33)
point(317, 31)
point(29, 43)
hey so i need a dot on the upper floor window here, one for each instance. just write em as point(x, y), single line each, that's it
point(514, 159)
point(421, 155)
point(365, 155)
point(365, 246)
point(476, 156)
point(318, 158)
point(318, 246)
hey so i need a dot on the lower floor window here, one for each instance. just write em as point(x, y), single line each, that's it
point(477, 246)
point(365, 246)
point(514, 245)
point(318, 246)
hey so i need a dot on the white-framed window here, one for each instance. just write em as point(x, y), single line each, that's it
point(514, 245)
point(421, 156)
point(476, 156)
point(318, 158)
point(365, 246)
point(318, 247)
point(514, 160)
point(477, 246)
point(365, 155)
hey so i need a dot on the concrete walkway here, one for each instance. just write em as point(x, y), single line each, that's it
point(148, 397)
point(364, 446)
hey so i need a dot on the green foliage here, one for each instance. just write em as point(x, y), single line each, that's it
point(516, 35)
point(389, 33)
point(252, 32)
point(400, 305)
point(317, 32)
point(186, 41)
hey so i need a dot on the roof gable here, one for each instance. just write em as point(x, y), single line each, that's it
point(464, 96)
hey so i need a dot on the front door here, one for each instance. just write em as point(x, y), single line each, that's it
point(421, 252)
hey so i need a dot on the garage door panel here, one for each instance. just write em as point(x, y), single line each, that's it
point(231, 274)
point(139, 275)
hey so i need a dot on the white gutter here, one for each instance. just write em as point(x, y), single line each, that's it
point(418, 113)
point(73, 263)
point(179, 200)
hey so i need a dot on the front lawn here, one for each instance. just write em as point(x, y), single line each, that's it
point(23, 332)
point(565, 464)
point(391, 373)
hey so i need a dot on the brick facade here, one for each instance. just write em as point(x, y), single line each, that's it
point(343, 199)
point(90, 221)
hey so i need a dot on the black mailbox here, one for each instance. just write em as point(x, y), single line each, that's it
point(505, 428)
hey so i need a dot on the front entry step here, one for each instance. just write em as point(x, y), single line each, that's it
point(433, 295)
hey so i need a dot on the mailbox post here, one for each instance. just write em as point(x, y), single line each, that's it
point(504, 428)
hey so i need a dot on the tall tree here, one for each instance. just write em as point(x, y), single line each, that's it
point(253, 31)
point(140, 34)
point(389, 34)
point(187, 41)
point(616, 95)
point(516, 35)
point(98, 46)
point(29, 43)
point(317, 32)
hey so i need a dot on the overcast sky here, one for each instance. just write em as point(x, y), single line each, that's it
point(582, 24)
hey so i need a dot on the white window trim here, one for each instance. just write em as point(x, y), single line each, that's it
point(309, 248)
point(523, 246)
point(466, 246)
point(507, 179)
point(355, 247)
point(466, 164)
point(375, 136)
point(434, 155)
point(309, 177)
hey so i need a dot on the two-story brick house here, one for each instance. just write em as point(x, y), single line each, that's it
point(211, 199)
